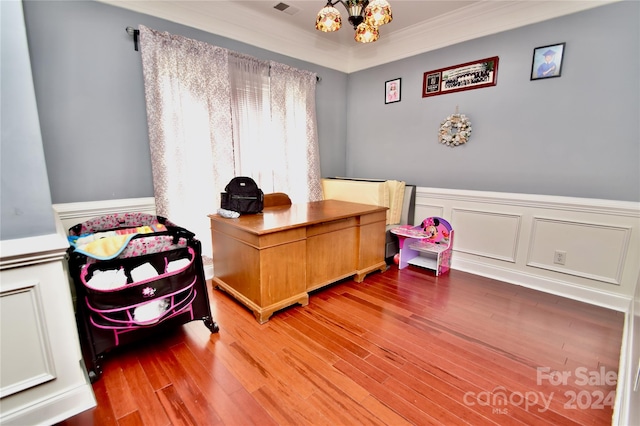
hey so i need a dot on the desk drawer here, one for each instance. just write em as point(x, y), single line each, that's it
point(334, 225)
point(373, 217)
point(331, 256)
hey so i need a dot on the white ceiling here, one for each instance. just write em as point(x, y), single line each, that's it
point(417, 26)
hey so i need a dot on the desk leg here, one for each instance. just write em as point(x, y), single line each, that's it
point(361, 274)
point(263, 314)
point(406, 254)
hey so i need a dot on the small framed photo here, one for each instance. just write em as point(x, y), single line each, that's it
point(431, 83)
point(547, 61)
point(392, 91)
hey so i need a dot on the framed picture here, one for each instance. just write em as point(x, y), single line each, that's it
point(467, 76)
point(547, 61)
point(392, 91)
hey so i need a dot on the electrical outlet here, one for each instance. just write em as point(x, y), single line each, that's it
point(560, 257)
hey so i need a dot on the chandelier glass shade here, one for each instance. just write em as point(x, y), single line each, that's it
point(328, 19)
point(366, 33)
point(378, 13)
point(365, 17)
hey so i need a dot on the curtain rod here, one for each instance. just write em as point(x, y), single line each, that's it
point(135, 33)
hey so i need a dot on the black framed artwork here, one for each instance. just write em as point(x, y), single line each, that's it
point(547, 61)
point(392, 91)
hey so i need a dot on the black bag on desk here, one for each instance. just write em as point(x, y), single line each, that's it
point(242, 195)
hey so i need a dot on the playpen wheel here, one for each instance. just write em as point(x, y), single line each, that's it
point(94, 374)
point(211, 325)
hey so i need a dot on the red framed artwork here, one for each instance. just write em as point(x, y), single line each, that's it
point(467, 76)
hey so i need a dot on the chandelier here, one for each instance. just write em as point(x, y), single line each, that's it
point(365, 16)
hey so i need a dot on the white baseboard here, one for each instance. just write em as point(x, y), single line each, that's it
point(569, 290)
point(626, 409)
point(622, 403)
point(53, 410)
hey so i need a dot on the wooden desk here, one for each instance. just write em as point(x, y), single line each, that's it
point(272, 260)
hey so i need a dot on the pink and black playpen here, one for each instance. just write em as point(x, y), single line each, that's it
point(135, 275)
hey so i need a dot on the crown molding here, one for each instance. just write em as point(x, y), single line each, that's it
point(476, 20)
point(254, 29)
point(479, 19)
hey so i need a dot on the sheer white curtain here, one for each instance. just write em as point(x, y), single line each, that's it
point(296, 167)
point(215, 114)
point(274, 126)
point(251, 116)
point(189, 117)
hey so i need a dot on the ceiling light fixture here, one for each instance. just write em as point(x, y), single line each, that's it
point(365, 16)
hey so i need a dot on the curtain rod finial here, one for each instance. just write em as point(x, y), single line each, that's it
point(133, 32)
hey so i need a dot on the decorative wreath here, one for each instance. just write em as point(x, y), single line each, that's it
point(455, 130)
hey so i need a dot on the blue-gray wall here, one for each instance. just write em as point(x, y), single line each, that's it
point(90, 94)
point(575, 135)
point(24, 190)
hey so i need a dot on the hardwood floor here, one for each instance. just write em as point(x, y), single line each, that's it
point(403, 347)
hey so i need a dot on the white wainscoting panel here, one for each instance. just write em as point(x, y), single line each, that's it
point(593, 251)
point(429, 211)
point(42, 377)
point(486, 234)
point(513, 238)
point(25, 349)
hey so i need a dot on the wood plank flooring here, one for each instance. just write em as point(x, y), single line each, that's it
point(403, 347)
